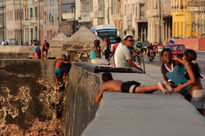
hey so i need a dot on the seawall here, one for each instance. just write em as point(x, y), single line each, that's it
point(30, 104)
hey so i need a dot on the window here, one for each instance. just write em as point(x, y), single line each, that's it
point(36, 11)
point(100, 5)
point(142, 9)
point(31, 12)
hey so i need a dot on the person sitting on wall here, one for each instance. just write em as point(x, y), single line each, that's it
point(123, 56)
point(127, 87)
point(38, 51)
point(95, 54)
point(59, 71)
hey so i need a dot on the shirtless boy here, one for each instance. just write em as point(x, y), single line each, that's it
point(127, 87)
point(59, 71)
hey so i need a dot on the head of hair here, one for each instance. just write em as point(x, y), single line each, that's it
point(96, 43)
point(190, 55)
point(118, 39)
point(164, 50)
point(107, 76)
point(63, 56)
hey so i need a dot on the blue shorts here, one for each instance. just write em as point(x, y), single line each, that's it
point(58, 72)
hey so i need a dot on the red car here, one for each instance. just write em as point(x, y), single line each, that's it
point(177, 49)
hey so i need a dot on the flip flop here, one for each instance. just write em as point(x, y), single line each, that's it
point(168, 87)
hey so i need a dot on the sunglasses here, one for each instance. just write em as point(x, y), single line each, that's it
point(131, 40)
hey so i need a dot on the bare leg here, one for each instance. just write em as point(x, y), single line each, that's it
point(144, 89)
point(57, 83)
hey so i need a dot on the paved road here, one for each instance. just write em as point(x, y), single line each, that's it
point(200, 60)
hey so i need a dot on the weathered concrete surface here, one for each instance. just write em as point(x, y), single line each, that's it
point(29, 102)
point(144, 114)
point(81, 92)
point(15, 52)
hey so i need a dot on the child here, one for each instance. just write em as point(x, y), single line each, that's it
point(59, 71)
point(127, 87)
point(194, 80)
point(173, 72)
point(38, 51)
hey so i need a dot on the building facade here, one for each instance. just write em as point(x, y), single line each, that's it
point(2, 20)
point(188, 18)
point(159, 20)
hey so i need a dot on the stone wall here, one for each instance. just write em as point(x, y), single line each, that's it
point(82, 91)
point(30, 104)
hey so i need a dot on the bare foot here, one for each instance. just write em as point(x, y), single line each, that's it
point(57, 88)
point(168, 87)
point(160, 85)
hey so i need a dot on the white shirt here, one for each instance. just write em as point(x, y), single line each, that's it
point(122, 55)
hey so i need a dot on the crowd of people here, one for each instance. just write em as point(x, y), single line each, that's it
point(179, 75)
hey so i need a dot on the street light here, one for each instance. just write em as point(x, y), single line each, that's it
point(39, 25)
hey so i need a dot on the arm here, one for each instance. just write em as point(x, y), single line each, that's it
point(164, 75)
point(190, 82)
point(97, 52)
point(133, 65)
point(178, 60)
point(66, 61)
point(41, 48)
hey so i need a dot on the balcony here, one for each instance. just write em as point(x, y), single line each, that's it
point(152, 13)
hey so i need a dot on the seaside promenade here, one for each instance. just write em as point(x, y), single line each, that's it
point(121, 114)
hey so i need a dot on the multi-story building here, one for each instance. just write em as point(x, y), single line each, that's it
point(159, 20)
point(67, 20)
point(2, 20)
point(117, 15)
point(188, 18)
point(51, 10)
point(14, 20)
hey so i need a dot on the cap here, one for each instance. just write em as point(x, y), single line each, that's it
point(127, 36)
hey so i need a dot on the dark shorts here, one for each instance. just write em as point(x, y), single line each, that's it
point(129, 86)
point(59, 72)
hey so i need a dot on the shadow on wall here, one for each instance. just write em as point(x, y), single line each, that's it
point(81, 93)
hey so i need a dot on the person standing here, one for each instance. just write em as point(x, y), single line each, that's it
point(114, 47)
point(123, 58)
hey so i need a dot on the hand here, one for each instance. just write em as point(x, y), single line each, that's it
point(178, 89)
point(175, 58)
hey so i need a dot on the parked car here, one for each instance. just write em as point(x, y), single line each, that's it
point(177, 49)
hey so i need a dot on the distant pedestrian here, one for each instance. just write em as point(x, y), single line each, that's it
point(38, 51)
point(114, 47)
point(107, 51)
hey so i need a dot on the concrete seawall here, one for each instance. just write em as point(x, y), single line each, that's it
point(30, 104)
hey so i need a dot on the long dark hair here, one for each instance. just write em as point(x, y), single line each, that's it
point(191, 56)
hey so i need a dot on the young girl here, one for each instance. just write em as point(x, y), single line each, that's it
point(194, 80)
